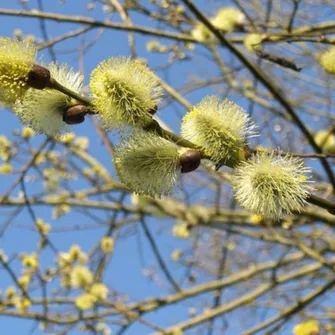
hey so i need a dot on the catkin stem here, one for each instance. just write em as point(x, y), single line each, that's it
point(155, 127)
point(57, 86)
point(168, 135)
point(323, 203)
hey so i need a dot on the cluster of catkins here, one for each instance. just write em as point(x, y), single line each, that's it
point(227, 20)
point(125, 93)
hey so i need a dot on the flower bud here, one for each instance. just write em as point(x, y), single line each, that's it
point(38, 77)
point(43, 110)
point(75, 114)
point(190, 160)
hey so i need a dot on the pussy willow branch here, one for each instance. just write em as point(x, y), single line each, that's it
point(159, 298)
point(63, 37)
point(315, 30)
point(294, 241)
point(171, 208)
point(154, 126)
point(14, 278)
point(149, 305)
point(234, 278)
point(324, 27)
point(296, 4)
point(296, 154)
point(98, 24)
point(244, 299)
point(287, 313)
point(267, 82)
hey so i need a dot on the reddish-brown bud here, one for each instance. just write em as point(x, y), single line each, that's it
point(75, 114)
point(38, 77)
point(190, 160)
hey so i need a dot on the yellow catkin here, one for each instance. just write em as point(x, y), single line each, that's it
point(30, 261)
point(16, 60)
point(325, 139)
point(42, 227)
point(253, 42)
point(307, 328)
point(125, 92)
point(107, 244)
point(220, 127)
point(181, 230)
point(85, 301)
point(22, 304)
point(202, 34)
point(99, 291)
point(27, 132)
point(256, 219)
point(228, 19)
point(327, 60)
point(176, 254)
point(6, 168)
point(271, 185)
point(81, 276)
point(42, 110)
point(147, 164)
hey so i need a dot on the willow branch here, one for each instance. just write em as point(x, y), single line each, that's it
point(290, 311)
point(97, 24)
point(245, 299)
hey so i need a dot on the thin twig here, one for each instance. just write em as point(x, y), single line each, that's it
point(158, 256)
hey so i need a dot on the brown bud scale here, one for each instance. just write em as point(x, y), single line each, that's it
point(38, 77)
point(75, 114)
point(190, 160)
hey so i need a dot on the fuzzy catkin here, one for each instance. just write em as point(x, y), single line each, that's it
point(327, 60)
point(43, 110)
point(147, 164)
point(271, 185)
point(16, 60)
point(202, 34)
point(227, 19)
point(253, 42)
point(125, 92)
point(221, 128)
